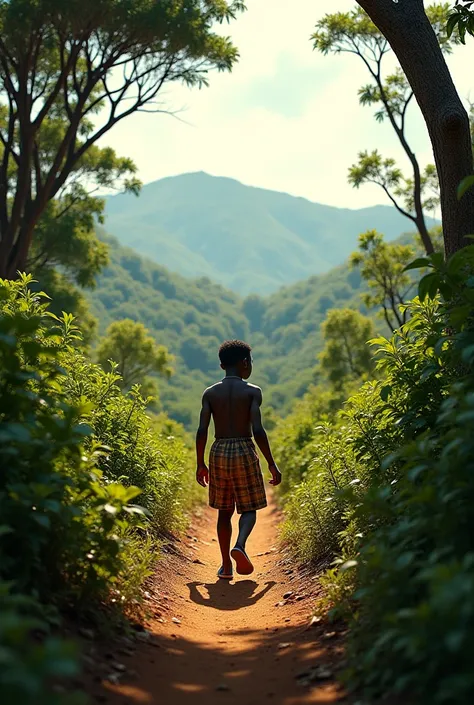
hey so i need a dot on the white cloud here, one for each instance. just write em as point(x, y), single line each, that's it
point(292, 130)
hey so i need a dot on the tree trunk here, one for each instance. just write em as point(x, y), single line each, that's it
point(14, 259)
point(408, 30)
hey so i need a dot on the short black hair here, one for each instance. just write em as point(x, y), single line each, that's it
point(233, 351)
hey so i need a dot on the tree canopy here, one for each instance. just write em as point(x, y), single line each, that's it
point(135, 352)
point(462, 19)
point(391, 95)
point(346, 354)
point(382, 266)
point(69, 73)
point(406, 26)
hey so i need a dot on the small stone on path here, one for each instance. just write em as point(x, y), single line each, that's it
point(118, 667)
point(317, 673)
point(314, 621)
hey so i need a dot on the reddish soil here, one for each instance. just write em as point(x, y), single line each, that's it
point(217, 642)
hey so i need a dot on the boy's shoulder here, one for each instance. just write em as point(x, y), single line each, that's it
point(254, 388)
point(218, 385)
point(213, 386)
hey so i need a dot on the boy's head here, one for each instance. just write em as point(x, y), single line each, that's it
point(236, 354)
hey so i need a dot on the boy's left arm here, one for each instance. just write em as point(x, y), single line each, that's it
point(202, 472)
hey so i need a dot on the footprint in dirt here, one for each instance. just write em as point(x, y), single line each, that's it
point(228, 596)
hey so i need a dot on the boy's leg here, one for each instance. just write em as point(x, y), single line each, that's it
point(246, 524)
point(224, 534)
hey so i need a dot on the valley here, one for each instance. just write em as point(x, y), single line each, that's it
point(192, 317)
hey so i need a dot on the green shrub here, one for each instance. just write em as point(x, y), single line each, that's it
point(416, 572)
point(29, 664)
point(74, 452)
point(139, 453)
point(61, 523)
point(404, 523)
point(415, 569)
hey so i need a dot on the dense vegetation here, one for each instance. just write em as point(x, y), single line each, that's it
point(378, 461)
point(85, 67)
point(78, 453)
point(251, 240)
point(386, 484)
point(377, 452)
point(192, 317)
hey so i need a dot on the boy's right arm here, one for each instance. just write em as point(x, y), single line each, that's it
point(202, 472)
point(261, 437)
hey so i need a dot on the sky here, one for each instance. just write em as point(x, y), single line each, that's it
point(287, 118)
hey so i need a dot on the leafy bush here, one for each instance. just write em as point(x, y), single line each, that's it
point(415, 570)
point(403, 523)
point(138, 454)
point(75, 453)
point(55, 511)
point(28, 664)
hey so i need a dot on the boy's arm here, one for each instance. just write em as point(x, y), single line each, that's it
point(261, 437)
point(202, 473)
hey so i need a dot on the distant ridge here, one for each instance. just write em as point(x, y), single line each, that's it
point(250, 239)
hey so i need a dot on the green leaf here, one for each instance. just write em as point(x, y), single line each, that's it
point(460, 259)
point(429, 286)
point(437, 258)
point(418, 264)
point(428, 372)
point(348, 565)
point(451, 24)
point(136, 509)
point(465, 185)
point(110, 509)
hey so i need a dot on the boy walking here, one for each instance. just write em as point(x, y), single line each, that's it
point(234, 475)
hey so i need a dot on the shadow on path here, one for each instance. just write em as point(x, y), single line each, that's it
point(223, 595)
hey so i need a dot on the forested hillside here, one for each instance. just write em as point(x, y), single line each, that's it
point(249, 239)
point(192, 317)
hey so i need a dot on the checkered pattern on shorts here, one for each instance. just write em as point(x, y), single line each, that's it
point(235, 477)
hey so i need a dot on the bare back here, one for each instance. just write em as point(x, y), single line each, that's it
point(231, 402)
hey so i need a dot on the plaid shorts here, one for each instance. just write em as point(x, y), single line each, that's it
point(235, 477)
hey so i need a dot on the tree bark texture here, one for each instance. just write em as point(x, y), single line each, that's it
point(408, 30)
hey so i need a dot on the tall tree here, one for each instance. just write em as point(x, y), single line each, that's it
point(406, 26)
point(382, 265)
point(64, 237)
point(390, 93)
point(135, 352)
point(346, 354)
point(88, 64)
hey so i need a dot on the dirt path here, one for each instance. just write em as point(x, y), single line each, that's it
point(241, 642)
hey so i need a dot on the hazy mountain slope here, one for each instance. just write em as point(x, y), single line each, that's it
point(249, 239)
point(192, 317)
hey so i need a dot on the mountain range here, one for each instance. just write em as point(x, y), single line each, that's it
point(251, 240)
point(193, 316)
